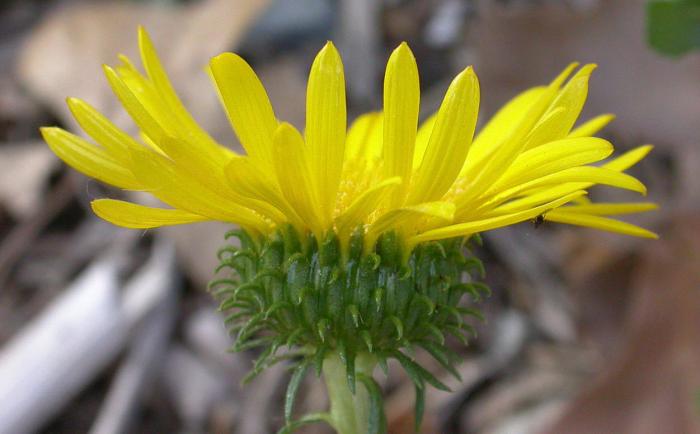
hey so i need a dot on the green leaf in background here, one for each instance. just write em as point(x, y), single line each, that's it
point(673, 26)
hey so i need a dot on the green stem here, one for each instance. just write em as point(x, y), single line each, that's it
point(349, 413)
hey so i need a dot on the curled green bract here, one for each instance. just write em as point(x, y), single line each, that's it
point(347, 303)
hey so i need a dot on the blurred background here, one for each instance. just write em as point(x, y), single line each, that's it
point(106, 330)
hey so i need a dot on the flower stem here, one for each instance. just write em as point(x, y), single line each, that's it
point(349, 413)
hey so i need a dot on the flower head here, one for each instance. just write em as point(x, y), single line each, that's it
point(353, 240)
point(384, 173)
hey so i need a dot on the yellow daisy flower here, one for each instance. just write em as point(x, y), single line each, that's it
point(430, 182)
point(388, 204)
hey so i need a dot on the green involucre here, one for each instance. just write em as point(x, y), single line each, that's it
point(319, 299)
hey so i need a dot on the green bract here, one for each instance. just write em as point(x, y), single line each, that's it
point(323, 298)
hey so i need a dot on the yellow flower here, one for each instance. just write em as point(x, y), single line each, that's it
point(384, 173)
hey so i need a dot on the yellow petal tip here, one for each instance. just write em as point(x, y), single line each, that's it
point(47, 132)
point(466, 73)
point(284, 129)
point(227, 57)
point(402, 52)
point(328, 55)
point(109, 72)
point(587, 69)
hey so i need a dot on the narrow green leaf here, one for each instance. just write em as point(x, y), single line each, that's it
point(368, 340)
point(457, 332)
point(435, 331)
point(399, 327)
point(377, 418)
point(441, 356)
point(378, 297)
point(322, 328)
point(474, 264)
point(355, 313)
point(306, 420)
point(473, 312)
point(384, 367)
point(409, 367)
point(419, 407)
point(347, 356)
point(293, 388)
point(414, 369)
point(318, 360)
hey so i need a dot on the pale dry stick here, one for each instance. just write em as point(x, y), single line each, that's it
point(139, 368)
point(52, 359)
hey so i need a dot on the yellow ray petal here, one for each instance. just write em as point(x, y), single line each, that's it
point(583, 200)
point(146, 122)
point(144, 91)
point(89, 159)
point(570, 101)
point(181, 190)
point(422, 138)
point(115, 141)
point(471, 227)
point(246, 103)
point(538, 197)
point(326, 122)
point(150, 144)
point(511, 117)
point(610, 208)
point(364, 204)
point(483, 174)
point(248, 180)
point(134, 216)
point(628, 159)
point(597, 222)
point(592, 126)
point(551, 158)
point(561, 78)
point(207, 169)
point(401, 104)
point(498, 127)
point(620, 163)
point(401, 217)
point(294, 175)
point(364, 140)
point(594, 175)
point(205, 164)
point(449, 141)
point(483, 170)
point(542, 130)
point(156, 73)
